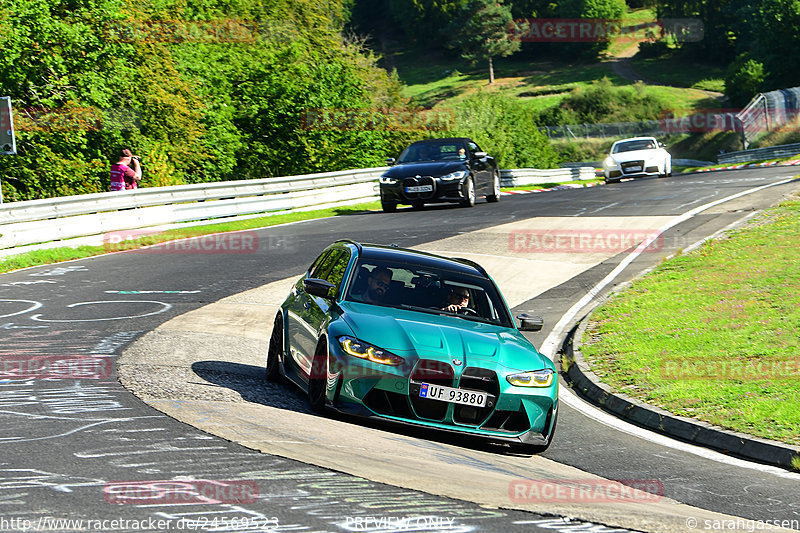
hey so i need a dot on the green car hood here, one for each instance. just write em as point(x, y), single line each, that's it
point(441, 337)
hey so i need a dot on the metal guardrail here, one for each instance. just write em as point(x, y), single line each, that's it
point(767, 112)
point(614, 130)
point(35, 222)
point(532, 176)
point(758, 154)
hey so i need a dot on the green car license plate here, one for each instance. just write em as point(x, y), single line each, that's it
point(451, 395)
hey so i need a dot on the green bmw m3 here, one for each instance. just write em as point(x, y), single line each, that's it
point(414, 338)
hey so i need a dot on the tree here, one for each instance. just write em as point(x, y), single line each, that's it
point(744, 80)
point(482, 32)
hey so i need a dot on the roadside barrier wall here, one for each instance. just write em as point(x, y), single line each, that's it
point(61, 219)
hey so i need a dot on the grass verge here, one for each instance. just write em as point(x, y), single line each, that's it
point(714, 334)
point(56, 255)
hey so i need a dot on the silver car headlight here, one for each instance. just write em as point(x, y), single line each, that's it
point(610, 162)
point(457, 175)
point(387, 180)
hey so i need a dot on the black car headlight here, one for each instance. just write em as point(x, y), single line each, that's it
point(536, 378)
point(457, 175)
point(365, 350)
point(387, 180)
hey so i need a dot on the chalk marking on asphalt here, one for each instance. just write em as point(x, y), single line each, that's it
point(549, 345)
point(602, 208)
point(35, 305)
point(164, 307)
point(696, 201)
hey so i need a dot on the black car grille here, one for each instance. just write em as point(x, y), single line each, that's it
point(510, 421)
point(440, 373)
point(435, 373)
point(477, 379)
point(626, 166)
point(419, 181)
point(388, 403)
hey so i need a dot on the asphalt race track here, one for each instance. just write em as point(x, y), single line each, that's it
point(88, 449)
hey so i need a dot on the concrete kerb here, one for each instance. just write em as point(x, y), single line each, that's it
point(588, 384)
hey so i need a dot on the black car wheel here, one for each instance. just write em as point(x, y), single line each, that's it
point(469, 193)
point(316, 382)
point(275, 350)
point(388, 207)
point(495, 196)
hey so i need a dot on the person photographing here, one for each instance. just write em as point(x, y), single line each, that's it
point(126, 173)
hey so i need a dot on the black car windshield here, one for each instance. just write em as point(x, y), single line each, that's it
point(427, 290)
point(629, 146)
point(433, 151)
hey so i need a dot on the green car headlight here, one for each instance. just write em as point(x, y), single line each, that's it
point(537, 378)
point(364, 350)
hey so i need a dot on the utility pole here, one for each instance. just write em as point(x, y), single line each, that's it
point(8, 145)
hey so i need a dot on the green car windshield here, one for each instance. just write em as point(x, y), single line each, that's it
point(428, 290)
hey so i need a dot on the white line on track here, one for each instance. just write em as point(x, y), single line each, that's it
point(549, 349)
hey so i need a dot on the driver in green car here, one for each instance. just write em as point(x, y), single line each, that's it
point(457, 298)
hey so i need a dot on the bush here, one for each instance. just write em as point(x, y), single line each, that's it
point(602, 102)
point(505, 128)
point(744, 80)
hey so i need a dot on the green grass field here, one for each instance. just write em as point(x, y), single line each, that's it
point(714, 334)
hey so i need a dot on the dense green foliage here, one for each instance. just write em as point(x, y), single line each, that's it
point(203, 90)
point(506, 128)
point(603, 102)
point(764, 33)
point(442, 23)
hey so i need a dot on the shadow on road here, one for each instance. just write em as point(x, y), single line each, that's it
point(251, 383)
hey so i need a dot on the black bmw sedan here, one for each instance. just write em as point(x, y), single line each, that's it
point(440, 170)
